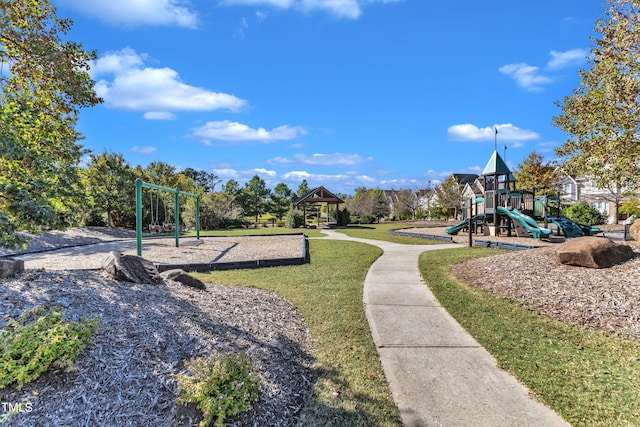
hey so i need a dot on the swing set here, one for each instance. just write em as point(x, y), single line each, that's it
point(155, 226)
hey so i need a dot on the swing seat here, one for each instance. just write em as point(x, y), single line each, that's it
point(155, 228)
point(168, 226)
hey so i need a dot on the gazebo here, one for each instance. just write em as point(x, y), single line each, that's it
point(319, 195)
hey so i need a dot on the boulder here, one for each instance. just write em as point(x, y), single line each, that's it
point(634, 230)
point(131, 268)
point(593, 252)
point(181, 276)
point(10, 268)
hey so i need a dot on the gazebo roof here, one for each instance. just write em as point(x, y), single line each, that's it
point(496, 166)
point(318, 195)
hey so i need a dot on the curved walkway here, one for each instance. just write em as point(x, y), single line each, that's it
point(438, 374)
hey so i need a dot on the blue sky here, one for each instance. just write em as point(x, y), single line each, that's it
point(343, 93)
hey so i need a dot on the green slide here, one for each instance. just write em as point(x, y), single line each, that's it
point(571, 228)
point(464, 224)
point(524, 224)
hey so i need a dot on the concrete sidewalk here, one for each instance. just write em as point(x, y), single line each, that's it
point(438, 374)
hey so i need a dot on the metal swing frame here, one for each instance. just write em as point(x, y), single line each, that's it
point(177, 193)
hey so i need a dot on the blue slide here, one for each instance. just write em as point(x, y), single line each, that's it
point(524, 225)
point(464, 224)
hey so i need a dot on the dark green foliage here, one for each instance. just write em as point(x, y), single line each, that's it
point(584, 213)
point(343, 217)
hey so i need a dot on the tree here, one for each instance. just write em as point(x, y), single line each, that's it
point(602, 116)
point(232, 187)
point(282, 198)
point(535, 175)
point(254, 198)
point(408, 202)
point(303, 188)
point(369, 203)
point(109, 181)
point(449, 194)
point(43, 88)
point(203, 180)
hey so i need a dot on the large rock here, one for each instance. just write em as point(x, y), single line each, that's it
point(131, 268)
point(10, 268)
point(593, 252)
point(181, 276)
point(634, 230)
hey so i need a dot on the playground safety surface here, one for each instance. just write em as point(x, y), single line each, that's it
point(206, 253)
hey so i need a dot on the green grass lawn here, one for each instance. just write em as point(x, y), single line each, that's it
point(381, 232)
point(589, 378)
point(350, 388)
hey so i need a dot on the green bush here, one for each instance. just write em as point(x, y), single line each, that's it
point(38, 339)
point(343, 217)
point(220, 387)
point(295, 218)
point(583, 213)
point(631, 207)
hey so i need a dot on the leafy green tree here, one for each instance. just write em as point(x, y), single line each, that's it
point(45, 85)
point(303, 188)
point(282, 198)
point(254, 198)
point(535, 175)
point(602, 116)
point(449, 195)
point(203, 180)
point(232, 187)
point(216, 211)
point(109, 180)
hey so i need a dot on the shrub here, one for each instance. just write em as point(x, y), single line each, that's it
point(220, 386)
point(584, 213)
point(295, 218)
point(343, 217)
point(39, 339)
point(631, 207)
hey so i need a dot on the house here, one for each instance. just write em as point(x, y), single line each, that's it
point(574, 189)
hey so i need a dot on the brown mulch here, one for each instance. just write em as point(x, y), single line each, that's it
point(605, 299)
point(125, 378)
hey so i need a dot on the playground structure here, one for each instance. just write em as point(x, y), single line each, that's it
point(154, 226)
point(498, 208)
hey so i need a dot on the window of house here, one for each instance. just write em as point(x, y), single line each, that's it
point(602, 207)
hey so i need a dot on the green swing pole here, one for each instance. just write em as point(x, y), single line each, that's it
point(139, 216)
point(139, 184)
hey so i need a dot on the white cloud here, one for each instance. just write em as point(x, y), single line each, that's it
point(155, 115)
point(227, 130)
point(267, 172)
point(138, 12)
point(336, 159)
point(146, 150)
point(279, 161)
point(567, 58)
point(531, 77)
point(156, 91)
point(350, 9)
point(506, 132)
point(526, 76)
